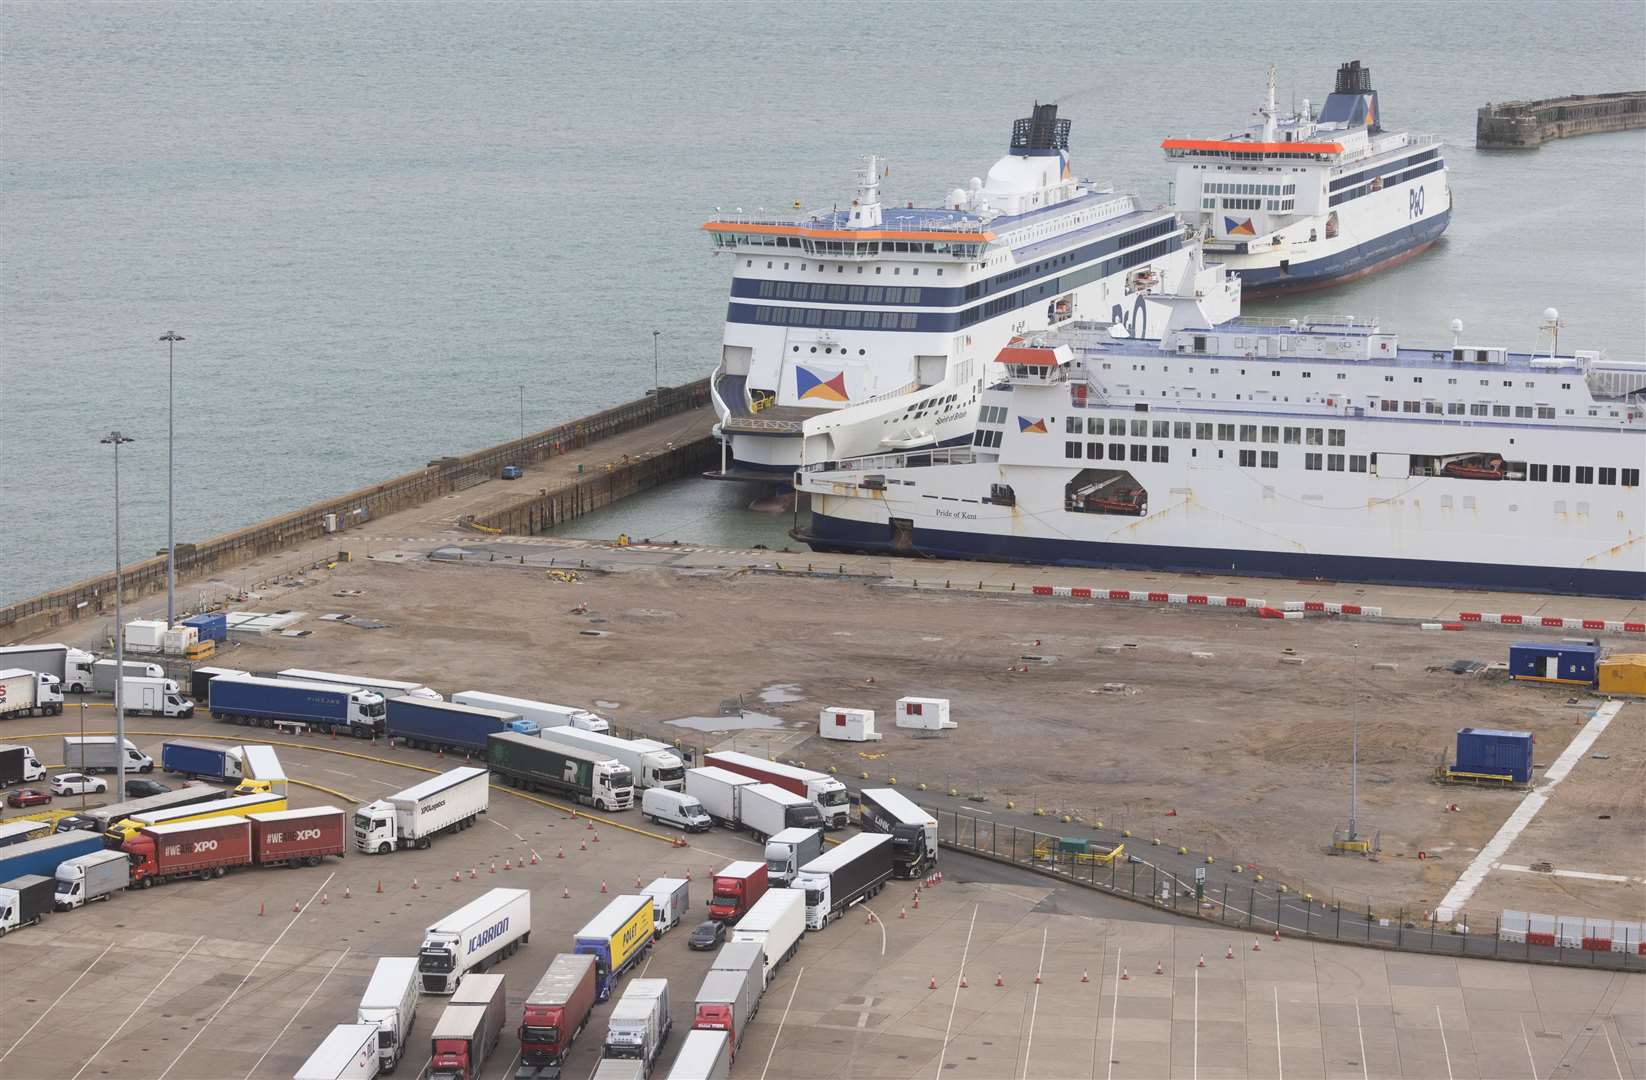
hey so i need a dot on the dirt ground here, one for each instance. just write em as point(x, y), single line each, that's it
point(1118, 721)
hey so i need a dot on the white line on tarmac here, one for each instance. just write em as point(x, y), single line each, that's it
point(792, 991)
point(374, 780)
point(1114, 1014)
point(276, 1040)
point(1280, 1063)
point(1527, 1042)
point(139, 1009)
point(1360, 1031)
point(499, 824)
point(1444, 1049)
point(1610, 1051)
point(965, 952)
point(1196, 1024)
point(336, 772)
point(510, 1070)
point(878, 921)
point(969, 810)
point(242, 983)
point(60, 997)
point(1584, 875)
point(1035, 1008)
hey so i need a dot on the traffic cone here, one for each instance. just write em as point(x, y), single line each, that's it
point(565, 893)
point(260, 909)
point(1255, 946)
point(917, 901)
point(1085, 977)
point(1202, 960)
point(1230, 954)
point(1037, 978)
point(902, 913)
point(325, 898)
point(507, 865)
point(457, 875)
point(999, 980)
point(597, 838)
point(562, 854)
point(379, 884)
point(440, 754)
point(582, 845)
point(347, 894)
point(602, 886)
point(588, 823)
point(295, 906)
point(963, 982)
point(688, 873)
point(1277, 933)
point(473, 874)
point(933, 984)
point(535, 859)
point(637, 882)
point(1159, 968)
point(493, 870)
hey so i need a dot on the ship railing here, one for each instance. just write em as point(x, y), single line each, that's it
point(755, 423)
point(909, 459)
point(823, 219)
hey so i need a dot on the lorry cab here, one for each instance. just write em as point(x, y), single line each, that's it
point(666, 807)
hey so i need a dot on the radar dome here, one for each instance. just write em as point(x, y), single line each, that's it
point(975, 184)
point(957, 199)
point(1550, 314)
point(1457, 326)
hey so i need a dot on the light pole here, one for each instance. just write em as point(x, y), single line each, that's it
point(1354, 742)
point(171, 338)
point(657, 382)
point(115, 439)
point(522, 410)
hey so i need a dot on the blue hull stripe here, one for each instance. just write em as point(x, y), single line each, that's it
point(1349, 261)
point(841, 535)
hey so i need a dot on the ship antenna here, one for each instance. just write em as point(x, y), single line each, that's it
point(1552, 324)
point(1269, 109)
point(1457, 328)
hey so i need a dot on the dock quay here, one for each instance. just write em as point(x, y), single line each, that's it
point(1525, 125)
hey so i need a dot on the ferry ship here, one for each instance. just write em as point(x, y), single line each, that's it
point(1306, 201)
point(871, 328)
point(1313, 450)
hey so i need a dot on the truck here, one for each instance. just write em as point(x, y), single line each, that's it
point(557, 1011)
point(535, 764)
point(100, 819)
point(776, 924)
point(102, 674)
point(617, 938)
point(261, 769)
point(97, 753)
point(665, 807)
point(18, 765)
point(389, 1005)
point(748, 957)
point(767, 810)
point(853, 871)
point(153, 697)
point(640, 1023)
point(201, 760)
point(704, 1055)
point(653, 764)
point(201, 849)
point(671, 901)
point(546, 715)
point(16, 832)
point(29, 693)
point(913, 830)
point(735, 889)
point(788, 851)
point(727, 1001)
point(72, 667)
point(383, 688)
point(463, 1039)
point(719, 791)
point(479, 933)
point(414, 817)
point(250, 700)
point(487, 992)
point(298, 837)
point(445, 725)
point(94, 876)
point(825, 792)
point(233, 805)
point(200, 680)
point(619, 1069)
point(348, 1052)
point(24, 901)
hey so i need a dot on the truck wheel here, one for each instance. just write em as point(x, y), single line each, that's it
point(314, 860)
point(148, 883)
point(383, 848)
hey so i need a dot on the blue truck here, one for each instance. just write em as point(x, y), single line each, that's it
point(261, 702)
point(42, 856)
point(1489, 755)
point(446, 725)
point(201, 760)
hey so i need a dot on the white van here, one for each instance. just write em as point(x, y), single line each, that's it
point(676, 808)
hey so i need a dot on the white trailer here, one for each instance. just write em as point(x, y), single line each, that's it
point(260, 762)
point(776, 923)
point(653, 763)
point(25, 692)
point(478, 933)
point(96, 753)
point(390, 1005)
point(96, 876)
point(413, 817)
point(388, 688)
point(704, 1055)
point(719, 791)
point(349, 1052)
point(671, 900)
point(826, 793)
point(102, 674)
point(546, 714)
point(847, 725)
point(640, 1022)
point(924, 714)
point(767, 810)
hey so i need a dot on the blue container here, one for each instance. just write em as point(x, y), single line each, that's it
point(42, 856)
point(1495, 753)
point(1556, 662)
point(212, 627)
point(446, 725)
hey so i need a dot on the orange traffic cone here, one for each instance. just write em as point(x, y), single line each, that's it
point(1037, 978)
point(637, 882)
point(565, 893)
point(1125, 976)
point(917, 901)
point(602, 886)
point(562, 854)
point(933, 984)
point(1230, 954)
point(962, 982)
point(1202, 960)
point(473, 874)
point(414, 883)
point(507, 865)
point(902, 913)
point(457, 875)
point(260, 909)
point(535, 859)
point(1085, 977)
point(588, 823)
point(325, 898)
point(597, 838)
point(1277, 933)
point(1255, 946)
point(582, 845)
point(1159, 968)
point(688, 873)
point(295, 906)
point(348, 894)
point(999, 980)
point(379, 884)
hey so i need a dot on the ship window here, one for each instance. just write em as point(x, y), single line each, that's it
point(873, 293)
point(1334, 462)
point(1140, 452)
point(1390, 406)
point(766, 287)
point(1445, 502)
point(1582, 509)
point(871, 320)
point(1537, 472)
point(1117, 427)
point(837, 293)
point(1160, 429)
point(1477, 409)
point(1562, 473)
point(1545, 412)
point(1248, 432)
point(1500, 410)
point(1433, 407)
point(1271, 459)
point(1203, 431)
point(1357, 462)
point(1160, 454)
point(1294, 436)
point(911, 296)
point(1094, 451)
point(1523, 412)
point(1140, 429)
point(1316, 436)
point(1455, 408)
point(1412, 406)
point(1200, 344)
point(1117, 451)
point(910, 320)
point(834, 318)
point(1248, 459)
point(1180, 429)
point(782, 290)
point(1631, 478)
point(1312, 462)
point(894, 295)
point(1608, 475)
point(1560, 506)
point(1071, 449)
point(1271, 433)
point(1468, 502)
point(854, 319)
point(814, 317)
point(1585, 474)
point(1072, 425)
point(1094, 425)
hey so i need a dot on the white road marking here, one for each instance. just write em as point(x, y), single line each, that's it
point(381, 783)
point(1585, 875)
point(964, 953)
point(242, 983)
point(880, 923)
point(1280, 1059)
point(499, 824)
point(792, 991)
point(1114, 1014)
point(337, 772)
point(139, 1009)
point(54, 1004)
point(1444, 1049)
point(1028, 1046)
point(969, 810)
point(1527, 1042)
point(276, 1040)
point(1610, 1051)
point(510, 1070)
point(1360, 1031)
point(1196, 1024)
point(647, 965)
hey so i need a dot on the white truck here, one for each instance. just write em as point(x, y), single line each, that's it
point(776, 923)
point(19, 764)
point(72, 667)
point(390, 1005)
point(671, 900)
point(665, 807)
point(654, 764)
point(24, 901)
point(349, 1052)
point(640, 1022)
point(546, 715)
point(768, 809)
point(29, 693)
point(704, 1055)
point(97, 753)
point(476, 934)
point(102, 674)
point(97, 876)
point(720, 791)
point(788, 851)
point(413, 817)
point(260, 762)
point(153, 697)
point(826, 793)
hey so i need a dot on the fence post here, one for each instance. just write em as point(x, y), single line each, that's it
point(1223, 911)
point(1251, 905)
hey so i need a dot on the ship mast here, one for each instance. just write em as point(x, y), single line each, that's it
point(1268, 109)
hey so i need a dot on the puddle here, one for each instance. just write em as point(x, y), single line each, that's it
point(782, 693)
point(728, 723)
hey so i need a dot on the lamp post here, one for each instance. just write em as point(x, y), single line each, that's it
point(522, 410)
point(657, 382)
point(115, 439)
point(171, 338)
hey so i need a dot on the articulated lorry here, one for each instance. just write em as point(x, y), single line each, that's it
point(44, 854)
point(653, 764)
point(449, 726)
point(913, 830)
point(720, 793)
point(24, 901)
point(100, 819)
point(557, 1011)
point(95, 876)
point(198, 849)
point(589, 777)
point(253, 701)
point(704, 1055)
point(851, 872)
point(464, 1038)
point(487, 992)
point(298, 837)
point(776, 924)
point(348, 1052)
point(735, 889)
point(71, 667)
point(767, 810)
point(258, 803)
point(474, 936)
point(824, 791)
point(29, 693)
point(102, 674)
point(727, 1001)
point(788, 851)
point(389, 1005)
point(746, 957)
point(617, 938)
point(452, 801)
point(640, 1023)
point(97, 753)
point(18, 765)
point(546, 715)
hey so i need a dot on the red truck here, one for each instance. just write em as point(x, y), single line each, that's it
point(736, 888)
point(202, 849)
point(556, 1012)
point(295, 837)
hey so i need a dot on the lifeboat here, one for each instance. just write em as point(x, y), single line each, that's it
point(1124, 501)
point(1474, 470)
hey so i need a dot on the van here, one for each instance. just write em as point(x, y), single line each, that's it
point(675, 808)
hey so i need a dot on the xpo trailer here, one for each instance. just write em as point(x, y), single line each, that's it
point(591, 778)
point(913, 831)
point(445, 725)
point(298, 837)
point(259, 702)
point(776, 924)
point(824, 791)
point(414, 817)
point(853, 871)
point(653, 764)
point(557, 1010)
point(546, 715)
point(476, 934)
point(390, 1005)
point(202, 849)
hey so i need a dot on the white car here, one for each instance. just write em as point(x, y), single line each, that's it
point(73, 783)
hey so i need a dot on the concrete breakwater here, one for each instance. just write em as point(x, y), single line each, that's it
point(552, 506)
point(94, 597)
point(1523, 125)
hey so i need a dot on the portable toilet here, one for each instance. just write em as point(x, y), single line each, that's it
point(924, 713)
point(1569, 662)
point(847, 725)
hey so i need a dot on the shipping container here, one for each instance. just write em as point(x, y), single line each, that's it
point(1623, 673)
point(556, 1012)
point(1565, 662)
point(201, 849)
point(296, 837)
point(1485, 752)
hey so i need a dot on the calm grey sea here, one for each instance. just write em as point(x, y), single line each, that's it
point(375, 222)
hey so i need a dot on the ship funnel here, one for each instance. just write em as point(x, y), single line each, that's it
point(1040, 134)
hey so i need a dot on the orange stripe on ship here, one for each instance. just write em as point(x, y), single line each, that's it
point(849, 235)
point(1253, 147)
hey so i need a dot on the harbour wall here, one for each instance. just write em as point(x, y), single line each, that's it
point(553, 506)
point(1523, 125)
point(95, 596)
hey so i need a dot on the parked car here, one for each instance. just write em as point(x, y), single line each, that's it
point(73, 783)
point(143, 789)
point(28, 797)
point(707, 935)
point(512, 472)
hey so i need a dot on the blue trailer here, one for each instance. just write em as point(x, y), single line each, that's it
point(260, 702)
point(42, 856)
point(1488, 756)
point(1570, 663)
point(200, 760)
point(211, 627)
point(445, 725)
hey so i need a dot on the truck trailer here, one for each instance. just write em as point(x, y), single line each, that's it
point(546, 714)
point(16, 832)
point(776, 924)
point(198, 759)
point(557, 1010)
point(448, 726)
point(153, 697)
point(96, 753)
point(298, 837)
point(44, 854)
point(477, 934)
point(253, 701)
point(617, 938)
point(200, 680)
point(913, 830)
point(383, 688)
point(233, 805)
point(24, 692)
point(640, 1023)
point(101, 818)
point(102, 674)
point(704, 1055)
point(719, 791)
point(727, 1001)
point(348, 1052)
point(536, 764)
point(767, 810)
point(24, 901)
point(824, 791)
point(199, 849)
point(71, 667)
point(788, 851)
point(736, 888)
point(452, 801)
point(389, 1005)
point(851, 872)
point(261, 768)
point(18, 765)
point(488, 992)
point(652, 763)
point(742, 956)
point(95, 876)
